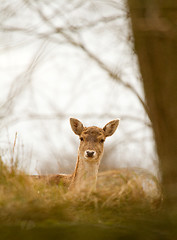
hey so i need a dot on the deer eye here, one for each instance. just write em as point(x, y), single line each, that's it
point(81, 138)
point(102, 140)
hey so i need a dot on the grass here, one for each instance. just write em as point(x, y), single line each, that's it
point(32, 209)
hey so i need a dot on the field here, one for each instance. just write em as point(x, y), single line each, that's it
point(33, 209)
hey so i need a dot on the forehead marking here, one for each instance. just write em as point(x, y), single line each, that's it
point(93, 133)
point(93, 130)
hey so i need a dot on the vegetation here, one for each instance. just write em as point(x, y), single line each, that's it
point(31, 208)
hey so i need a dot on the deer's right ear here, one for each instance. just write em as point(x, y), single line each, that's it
point(76, 126)
point(111, 127)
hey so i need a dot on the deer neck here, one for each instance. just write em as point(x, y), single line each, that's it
point(84, 171)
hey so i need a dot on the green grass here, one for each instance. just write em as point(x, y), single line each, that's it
point(32, 209)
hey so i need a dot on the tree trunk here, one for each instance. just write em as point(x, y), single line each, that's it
point(154, 24)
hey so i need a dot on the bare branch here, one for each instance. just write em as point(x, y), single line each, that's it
point(35, 116)
point(92, 56)
point(21, 81)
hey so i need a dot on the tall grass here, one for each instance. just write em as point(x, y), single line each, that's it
point(32, 208)
point(25, 198)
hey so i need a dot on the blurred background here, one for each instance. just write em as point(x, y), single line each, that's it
point(70, 59)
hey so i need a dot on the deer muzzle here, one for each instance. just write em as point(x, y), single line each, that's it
point(89, 154)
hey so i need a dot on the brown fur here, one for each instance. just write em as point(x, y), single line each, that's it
point(92, 138)
point(58, 179)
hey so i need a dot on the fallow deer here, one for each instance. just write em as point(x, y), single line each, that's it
point(89, 154)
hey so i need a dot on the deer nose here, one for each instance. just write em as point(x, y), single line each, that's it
point(90, 153)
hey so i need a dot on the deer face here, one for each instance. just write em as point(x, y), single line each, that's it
point(92, 139)
point(91, 143)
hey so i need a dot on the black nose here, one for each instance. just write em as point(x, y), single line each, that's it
point(90, 153)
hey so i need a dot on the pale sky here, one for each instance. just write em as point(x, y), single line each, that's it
point(65, 81)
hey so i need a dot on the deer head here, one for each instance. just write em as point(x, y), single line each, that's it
point(92, 139)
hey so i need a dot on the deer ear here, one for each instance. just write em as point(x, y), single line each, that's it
point(111, 127)
point(76, 126)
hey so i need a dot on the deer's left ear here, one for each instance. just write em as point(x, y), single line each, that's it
point(111, 127)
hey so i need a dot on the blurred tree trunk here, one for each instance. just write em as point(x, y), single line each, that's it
point(154, 24)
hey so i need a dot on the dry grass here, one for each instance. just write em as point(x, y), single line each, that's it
point(29, 206)
point(24, 198)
